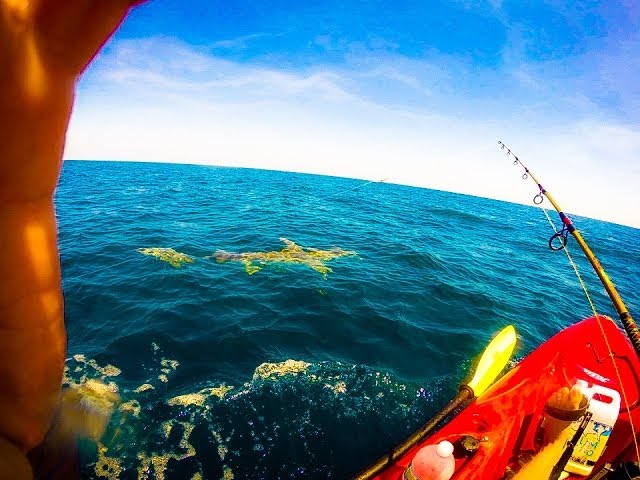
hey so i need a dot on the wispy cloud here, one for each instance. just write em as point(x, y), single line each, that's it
point(432, 122)
point(157, 65)
point(238, 43)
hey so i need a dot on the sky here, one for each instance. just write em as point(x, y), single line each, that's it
point(418, 93)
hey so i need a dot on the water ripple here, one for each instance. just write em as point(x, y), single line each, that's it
point(388, 334)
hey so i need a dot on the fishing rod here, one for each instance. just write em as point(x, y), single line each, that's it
point(568, 227)
point(382, 180)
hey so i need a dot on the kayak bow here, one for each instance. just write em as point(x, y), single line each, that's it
point(503, 424)
point(494, 359)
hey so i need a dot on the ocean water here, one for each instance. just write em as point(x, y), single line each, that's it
point(289, 373)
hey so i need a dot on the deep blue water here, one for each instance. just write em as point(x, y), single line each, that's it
point(387, 335)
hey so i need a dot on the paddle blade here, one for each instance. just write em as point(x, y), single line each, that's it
point(493, 360)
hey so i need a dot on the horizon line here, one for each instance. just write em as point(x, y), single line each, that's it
point(388, 180)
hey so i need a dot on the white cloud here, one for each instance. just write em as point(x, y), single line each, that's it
point(159, 100)
point(237, 43)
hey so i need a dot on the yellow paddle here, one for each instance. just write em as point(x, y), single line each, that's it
point(492, 362)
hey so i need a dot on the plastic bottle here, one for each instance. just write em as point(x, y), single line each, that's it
point(433, 462)
point(604, 404)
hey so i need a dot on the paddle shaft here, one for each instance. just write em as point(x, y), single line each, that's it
point(394, 454)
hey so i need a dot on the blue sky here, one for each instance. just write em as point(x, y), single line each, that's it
point(418, 92)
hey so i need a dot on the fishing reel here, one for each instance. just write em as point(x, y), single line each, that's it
point(562, 237)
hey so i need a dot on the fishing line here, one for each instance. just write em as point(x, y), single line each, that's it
point(316, 201)
point(562, 236)
point(82, 286)
point(103, 268)
point(322, 199)
point(356, 188)
point(93, 272)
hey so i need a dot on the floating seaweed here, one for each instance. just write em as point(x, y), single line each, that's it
point(213, 427)
point(274, 370)
point(85, 409)
point(200, 397)
point(169, 255)
point(291, 253)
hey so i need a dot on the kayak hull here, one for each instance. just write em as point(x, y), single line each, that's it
point(508, 415)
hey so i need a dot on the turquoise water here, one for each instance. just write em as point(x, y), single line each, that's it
point(376, 346)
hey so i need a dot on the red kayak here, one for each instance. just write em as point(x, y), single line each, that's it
point(501, 431)
point(506, 419)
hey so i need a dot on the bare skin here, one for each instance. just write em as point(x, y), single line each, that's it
point(44, 47)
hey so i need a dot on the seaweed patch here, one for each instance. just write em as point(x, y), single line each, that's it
point(292, 253)
point(169, 255)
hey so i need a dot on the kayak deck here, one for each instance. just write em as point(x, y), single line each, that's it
point(507, 417)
